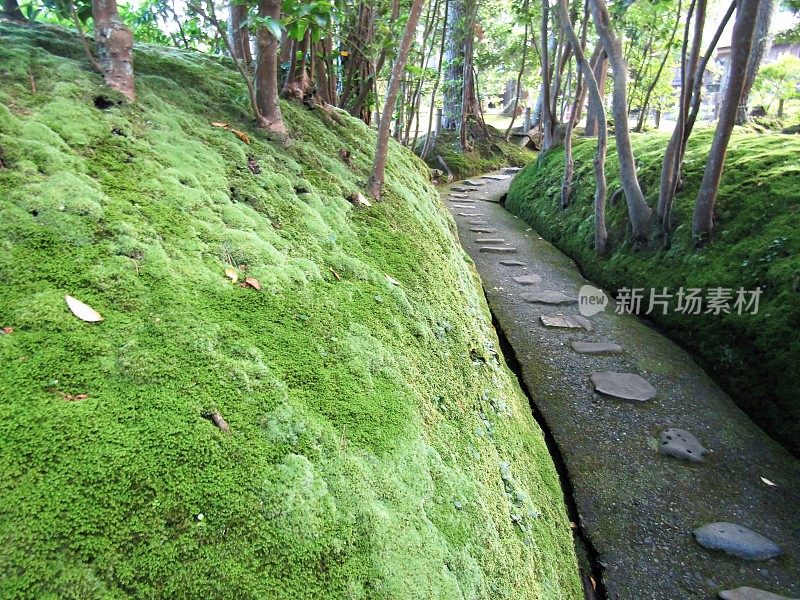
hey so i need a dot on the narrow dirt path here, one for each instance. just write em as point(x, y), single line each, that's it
point(641, 509)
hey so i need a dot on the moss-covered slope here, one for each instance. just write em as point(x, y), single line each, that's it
point(379, 447)
point(756, 244)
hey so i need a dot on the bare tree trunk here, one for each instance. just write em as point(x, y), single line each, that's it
point(638, 211)
point(298, 82)
point(519, 78)
point(703, 220)
point(375, 183)
point(428, 140)
point(239, 34)
point(267, 70)
point(643, 113)
point(548, 123)
point(454, 58)
point(599, 65)
point(701, 69)
point(114, 47)
point(470, 107)
point(11, 10)
point(595, 98)
point(761, 42)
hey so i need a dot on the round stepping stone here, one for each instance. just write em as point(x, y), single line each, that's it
point(498, 249)
point(596, 347)
point(547, 297)
point(748, 593)
point(490, 240)
point(625, 386)
point(737, 541)
point(682, 445)
point(482, 230)
point(528, 279)
point(512, 263)
point(574, 322)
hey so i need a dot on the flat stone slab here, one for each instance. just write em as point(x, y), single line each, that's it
point(463, 214)
point(490, 240)
point(574, 322)
point(512, 170)
point(458, 195)
point(748, 593)
point(498, 249)
point(512, 263)
point(464, 200)
point(547, 297)
point(478, 222)
point(528, 279)
point(736, 540)
point(625, 386)
point(596, 347)
point(462, 189)
point(496, 177)
point(473, 183)
point(482, 230)
point(682, 445)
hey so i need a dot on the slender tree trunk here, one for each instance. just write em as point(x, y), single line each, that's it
point(596, 99)
point(580, 84)
point(519, 78)
point(759, 48)
point(114, 47)
point(428, 140)
point(298, 82)
point(638, 211)
point(11, 10)
point(453, 86)
point(470, 107)
point(239, 33)
point(643, 114)
point(375, 183)
point(600, 72)
point(267, 70)
point(548, 123)
point(701, 69)
point(703, 220)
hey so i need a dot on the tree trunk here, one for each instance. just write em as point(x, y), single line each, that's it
point(638, 211)
point(375, 183)
point(470, 107)
point(239, 34)
point(703, 219)
point(599, 65)
point(453, 87)
point(759, 47)
point(595, 99)
point(267, 70)
point(428, 140)
point(114, 47)
point(12, 11)
point(298, 82)
point(547, 121)
point(518, 85)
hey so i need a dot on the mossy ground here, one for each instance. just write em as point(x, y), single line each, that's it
point(379, 448)
point(490, 153)
point(756, 244)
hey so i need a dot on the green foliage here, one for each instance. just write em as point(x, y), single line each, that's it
point(756, 244)
point(359, 463)
point(778, 81)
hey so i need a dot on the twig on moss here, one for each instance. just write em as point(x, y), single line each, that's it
point(32, 80)
point(77, 22)
point(220, 422)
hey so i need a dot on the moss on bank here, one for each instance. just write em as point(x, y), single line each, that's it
point(489, 154)
point(756, 244)
point(379, 448)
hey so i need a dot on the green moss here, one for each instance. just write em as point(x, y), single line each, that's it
point(358, 465)
point(756, 244)
point(490, 153)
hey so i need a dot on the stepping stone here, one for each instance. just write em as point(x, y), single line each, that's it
point(457, 195)
point(748, 593)
point(496, 177)
point(596, 347)
point(498, 250)
point(482, 230)
point(512, 170)
point(472, 183)
point(490, 241)
point(463, 206)
point(527, 279)
point(512, 263)
point(463, 214)
point(575, 322)
point(547, 297)
point(736, 540)
point(682, 445)
point(625, 386)
point(478, 221)
point(462, 189)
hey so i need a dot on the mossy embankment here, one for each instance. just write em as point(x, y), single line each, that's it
point(489, 153)
point(756, 244)
point(378, 446)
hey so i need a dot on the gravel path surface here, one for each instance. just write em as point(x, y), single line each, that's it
point(638, 506)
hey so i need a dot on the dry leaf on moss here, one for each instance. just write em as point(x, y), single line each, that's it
point(231, 274)
point(241, 135)
point(253, 283)
point(83, 311)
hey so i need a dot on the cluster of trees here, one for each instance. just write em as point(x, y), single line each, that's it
point(384, 61)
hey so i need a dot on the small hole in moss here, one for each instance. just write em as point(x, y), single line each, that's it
point(103, 103)
point(34, 213)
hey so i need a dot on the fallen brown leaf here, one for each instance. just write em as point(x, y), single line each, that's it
point(220, 422)
point(335, 274)
point(768, 482)
point(231, 274)
point(7, 330)
point(253, 283)
point(83, 311)
point(240, 134)
point(218, 124)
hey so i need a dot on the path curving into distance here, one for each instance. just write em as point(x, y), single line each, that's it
point(665, 469)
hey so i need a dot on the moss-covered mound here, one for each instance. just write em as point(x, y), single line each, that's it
point(378, 446)
point(490, 152)
point(756, 245)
